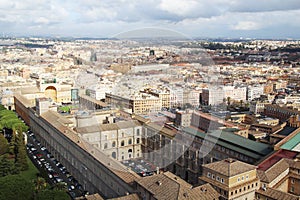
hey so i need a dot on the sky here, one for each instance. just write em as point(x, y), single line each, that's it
point(274, 19)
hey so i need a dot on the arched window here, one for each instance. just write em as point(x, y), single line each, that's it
point(130, 141)
point(122, 143)
point(129, 153)
point(114, 155)
point(105, 146)
point(113, 144)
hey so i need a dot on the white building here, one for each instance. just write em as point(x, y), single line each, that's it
point(254, 92)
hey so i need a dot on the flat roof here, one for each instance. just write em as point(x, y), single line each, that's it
point(234, 142)
point(292, 143)
point(286, 131)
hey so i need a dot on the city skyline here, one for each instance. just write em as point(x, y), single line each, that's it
point(215, 19)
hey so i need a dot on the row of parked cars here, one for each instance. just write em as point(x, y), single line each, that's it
point(57, 173)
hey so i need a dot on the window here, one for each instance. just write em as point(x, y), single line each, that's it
point(218, 178)
point(122, 143)
point(292, 181)
point(242, 178)
point(114, 155)
point(113, 144)
point(138, 132)
point(247, 176)
point(222, 180)
point(239, 179)
point(292, 189)
point(105, 146)
point(213, 176)
point(208, 174)
point(138, 140)
point(130, 141)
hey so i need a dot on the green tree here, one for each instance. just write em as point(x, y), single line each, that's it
point(2, 107)
point(228, 101)
point(15, 187)
point(52, 195)
point(20, 152)
point(60, 186)
point(40, 184)
point(5, 166)
point(3, 145)
point(11, 148)
point(251, 137)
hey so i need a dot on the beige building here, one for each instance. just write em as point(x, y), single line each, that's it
point(59, 93)
point(140, 103)
point(121, 140)
point(183, 118)
point(231, 178)
point(171, 187)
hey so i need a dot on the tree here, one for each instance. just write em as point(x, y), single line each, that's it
point(52, 195)
point(241, 103)
point(3, 145)
point(40, 184)
point(20, 152)
point(228, 101)
point(15, 187)
point(5, 166)
point(251, 137)
point(60, 186)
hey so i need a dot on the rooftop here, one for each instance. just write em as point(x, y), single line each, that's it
point(275, 157)
point(234, 142)
point(230, 167)
point(170, 186)
point(293, 143)
point(276, 194)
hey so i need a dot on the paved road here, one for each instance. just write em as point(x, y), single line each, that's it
point(54, 172)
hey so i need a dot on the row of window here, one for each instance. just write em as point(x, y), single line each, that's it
point(113, 135)
point(244, 189)
point(212, 176)
point(113, 144)
point(242, 178)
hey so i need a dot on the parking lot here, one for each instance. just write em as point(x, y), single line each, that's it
point(54, 171)
point(140, 166)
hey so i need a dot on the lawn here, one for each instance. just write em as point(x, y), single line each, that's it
point(31, 172)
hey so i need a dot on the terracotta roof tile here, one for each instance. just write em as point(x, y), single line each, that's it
point(230, 167)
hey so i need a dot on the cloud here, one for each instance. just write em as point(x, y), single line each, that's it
point(195, 17)
point(246, 25)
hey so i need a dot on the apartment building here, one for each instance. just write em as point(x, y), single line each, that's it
point(280, 174)
point(231, 178)
point(120, 140)
point(139, 103)
point(282, 113)
point(254, 92)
